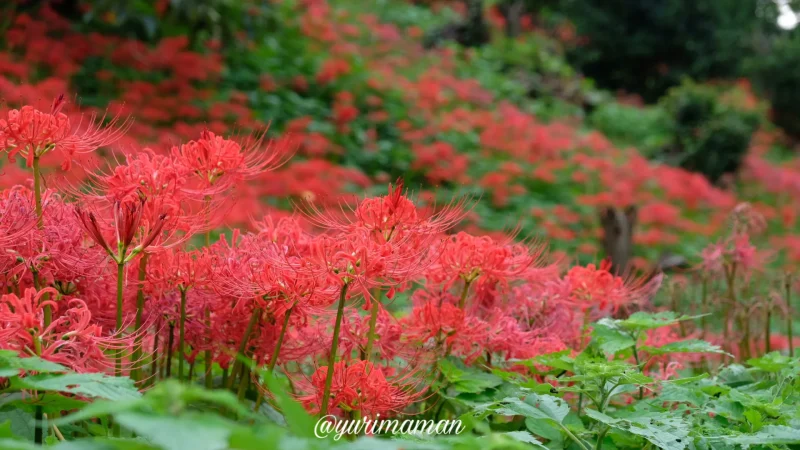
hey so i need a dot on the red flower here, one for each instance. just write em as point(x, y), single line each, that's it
point(32, 133)
point(364, 387)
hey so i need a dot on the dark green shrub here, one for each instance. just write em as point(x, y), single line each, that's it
point(775, 75)
point(711, 132)
point(647, 46)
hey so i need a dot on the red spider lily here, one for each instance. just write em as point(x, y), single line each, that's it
point(468, 258)
point(17, 220)
point(32, 133)
point(356, 260)
point(179, 269)
point(219, 163)
point(364, 387)
point(162, 182)
point(596, 287)
point(390, 217)
point(71, 340)
point(442, 327)
point(388, 329)
point(126, 225)
point(54, 253)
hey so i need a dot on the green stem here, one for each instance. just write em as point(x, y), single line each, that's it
point(170, 345)
point(789, 316)
point(137, 352)
point(767, 330)
point(274, 359)
point(704, 302)
point(37, 192)
point(208, 359)
point(120, 286)
point(638, 364)
point(243, 346)
point(155, 359)
point(243, 383)
point(573, 437)
point(334, 348)
point(585, 339)
point(600, 438)
point(373, 321)
point(463, 300)
point(181, 335)
point(48, 314)
point(731, 281)
point(38, 431)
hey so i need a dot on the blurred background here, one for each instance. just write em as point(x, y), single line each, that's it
point(621, 128)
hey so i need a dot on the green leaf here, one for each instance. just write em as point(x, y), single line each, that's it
point(11, 364)
point(528, 384)
point(610, 339)
point(99, 409)
point(754, 419)
point(545, 429)
point(555, 408)
point(640, 321)
point(94, 385)
point(467, 379)
point(105, 444)
point(10, 444)
point(524, 436)
point(686, 380)
point(769, 435)
point(665, 432)
point(536, 407)
point(194, 431)
point(687, 346)
point(5, 429)
point(299, 421)
point(20, 423)
point(775, 362)
point(558, 360)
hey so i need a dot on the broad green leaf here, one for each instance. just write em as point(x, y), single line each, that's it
point(769, 435)
point(190, 431)
point(467, 379)
point(775, 362)
point(20, 423)
point(609, 338)
point(754, 419)
point(535, 406)
point(192, 394)
point(299, 421)
point(10, 444)
point(528, 384)
point(687, 346)
point(558, 360)
point(687, 380)
point(555, 408)
point(11, 364)
point(99, 409)
point(544, 428)
point(5, 430)
point(93, 385)
point(524, 436)
point(671, 392)
point(735, 375)
point(640, 321)
point(666, 432)
point(105, 444)
point(515, 407)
